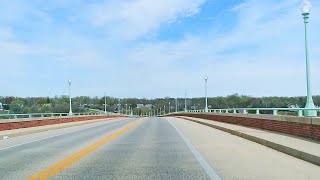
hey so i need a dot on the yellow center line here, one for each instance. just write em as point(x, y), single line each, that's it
point(63, 164)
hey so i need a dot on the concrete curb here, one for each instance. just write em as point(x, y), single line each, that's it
point(67, 125)
point(281, 148)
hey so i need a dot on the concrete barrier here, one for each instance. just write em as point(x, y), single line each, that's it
point(32, 130)
point(299, 126)
point(42, 122)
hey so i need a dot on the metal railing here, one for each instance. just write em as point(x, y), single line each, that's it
point(273, 111)
point(48, 115)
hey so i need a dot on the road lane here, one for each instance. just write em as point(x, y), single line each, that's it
point(152, 150)
point(27, 138)
point(203, 162)
point(65, 163)
point(25, 160)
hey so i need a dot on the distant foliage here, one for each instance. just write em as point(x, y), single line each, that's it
point(83, 103)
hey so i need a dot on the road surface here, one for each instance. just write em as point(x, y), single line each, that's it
point(149, 148)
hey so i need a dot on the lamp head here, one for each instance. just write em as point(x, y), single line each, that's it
point(306, 7)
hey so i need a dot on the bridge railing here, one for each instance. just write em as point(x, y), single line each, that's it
point(273, 111)
point(48, 115)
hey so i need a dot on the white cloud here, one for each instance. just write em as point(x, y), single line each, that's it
point(263, 54)
point(135, 18)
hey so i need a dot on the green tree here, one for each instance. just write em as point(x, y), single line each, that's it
point(18, 106)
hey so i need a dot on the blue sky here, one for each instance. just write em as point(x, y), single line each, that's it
point(147, 48)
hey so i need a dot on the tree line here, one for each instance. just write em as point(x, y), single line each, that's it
point(60, 104)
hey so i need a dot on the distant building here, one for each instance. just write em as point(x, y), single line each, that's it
point(294, 106)
point(1, 107)
point(139, 106)
point(149, 106)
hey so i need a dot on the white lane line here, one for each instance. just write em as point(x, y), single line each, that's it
point(57, 135)
point(205, 165)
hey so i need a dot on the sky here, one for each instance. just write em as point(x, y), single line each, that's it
point(154, 49)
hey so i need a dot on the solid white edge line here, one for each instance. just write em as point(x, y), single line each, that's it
point(108, 122)
point(204, 164)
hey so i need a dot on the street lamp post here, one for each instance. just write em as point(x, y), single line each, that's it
point(164, 109)
point(206, 80)
point(129, 110)
point(169, 108)
point(185, 101)
point(306, 8)
point(176, 105)
point(105, 103)
point(70, 102)
point(119, 106)
point(126, 109)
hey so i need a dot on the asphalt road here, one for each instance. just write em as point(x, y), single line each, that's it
point(151, 148)
point(22, 161)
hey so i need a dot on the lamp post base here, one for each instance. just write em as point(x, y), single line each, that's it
point(310, 113)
